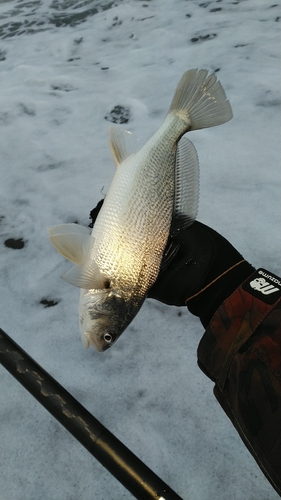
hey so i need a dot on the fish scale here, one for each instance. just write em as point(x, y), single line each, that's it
point(153, 195)
point(137, 229)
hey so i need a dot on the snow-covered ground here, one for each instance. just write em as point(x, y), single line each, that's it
point(65, 65)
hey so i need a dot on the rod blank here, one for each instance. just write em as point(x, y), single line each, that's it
point(99, 441)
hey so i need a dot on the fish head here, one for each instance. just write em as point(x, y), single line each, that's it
point(103, 315)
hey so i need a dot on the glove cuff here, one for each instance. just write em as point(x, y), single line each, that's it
point(205, 302)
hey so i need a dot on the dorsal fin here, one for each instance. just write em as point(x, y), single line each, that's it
point(122, 144)
point(186, 186)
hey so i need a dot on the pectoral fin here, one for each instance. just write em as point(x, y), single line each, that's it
point(186, 186)
point(69, 228)
point(74, 246)
point(87, 276)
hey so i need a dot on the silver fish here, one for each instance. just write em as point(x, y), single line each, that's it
point(153, 195)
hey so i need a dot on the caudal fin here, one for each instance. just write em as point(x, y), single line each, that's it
point(200, 100)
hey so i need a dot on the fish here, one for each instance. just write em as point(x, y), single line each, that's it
point(153, 196)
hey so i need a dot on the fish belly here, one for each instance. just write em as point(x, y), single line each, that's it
point(133, 226)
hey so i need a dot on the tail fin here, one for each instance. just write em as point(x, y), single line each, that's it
point(200, 100)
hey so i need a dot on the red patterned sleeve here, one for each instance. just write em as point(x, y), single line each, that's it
point(241, 352)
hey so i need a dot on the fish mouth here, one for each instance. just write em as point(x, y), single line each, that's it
point(99, 346)
point(85, 339)
point(105, 347)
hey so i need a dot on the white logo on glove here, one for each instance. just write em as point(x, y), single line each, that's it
point(261, 285)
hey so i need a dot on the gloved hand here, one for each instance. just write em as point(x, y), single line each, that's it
point(204, 272)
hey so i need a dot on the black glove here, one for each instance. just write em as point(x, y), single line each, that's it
point(204, 272)
point(95, 212)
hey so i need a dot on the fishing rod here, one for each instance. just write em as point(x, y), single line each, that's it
point(126, 467)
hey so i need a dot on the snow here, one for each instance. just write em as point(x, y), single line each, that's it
point(64, 67)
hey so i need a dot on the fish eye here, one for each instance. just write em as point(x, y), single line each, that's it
point(108, 337)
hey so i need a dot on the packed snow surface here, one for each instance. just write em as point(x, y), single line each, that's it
point(69, 69)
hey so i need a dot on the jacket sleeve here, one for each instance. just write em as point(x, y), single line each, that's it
point(241, 352)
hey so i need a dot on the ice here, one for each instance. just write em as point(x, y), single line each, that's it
point(64, 67)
